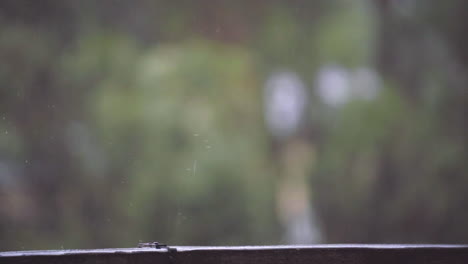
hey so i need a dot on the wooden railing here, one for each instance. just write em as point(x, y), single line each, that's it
point(317, 254)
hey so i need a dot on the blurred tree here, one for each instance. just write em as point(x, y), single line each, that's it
point(394, 170)
point(188, 163)
point(34, 106)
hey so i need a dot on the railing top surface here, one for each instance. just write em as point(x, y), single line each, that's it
point(338, 247)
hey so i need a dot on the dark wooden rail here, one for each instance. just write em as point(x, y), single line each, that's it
point(317, 254)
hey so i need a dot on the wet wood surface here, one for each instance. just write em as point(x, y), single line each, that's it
point(317, 254)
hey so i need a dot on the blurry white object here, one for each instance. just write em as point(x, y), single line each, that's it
point(303, 229)
point(333, 85)
point(365, 84)
point(337, 85)
point(285, 102)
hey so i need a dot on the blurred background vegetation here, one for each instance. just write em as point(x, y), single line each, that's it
point(232, 122)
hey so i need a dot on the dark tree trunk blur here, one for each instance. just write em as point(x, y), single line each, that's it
point(430, 40)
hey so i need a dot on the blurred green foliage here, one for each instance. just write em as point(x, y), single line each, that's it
point(180, 142)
